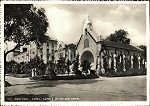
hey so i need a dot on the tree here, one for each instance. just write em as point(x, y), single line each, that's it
point(76, 66)
point(23, 23)
point(144, 48)
point(50, 70)
point(61, 65)
point(119, 36)
point(68, 63)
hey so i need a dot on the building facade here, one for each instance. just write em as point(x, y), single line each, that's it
point(66, 51)
point(100, 52)
point(27, 52)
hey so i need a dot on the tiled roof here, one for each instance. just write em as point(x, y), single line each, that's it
point(109, 43)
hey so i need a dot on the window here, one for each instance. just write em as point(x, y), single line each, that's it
point(61, 55)
point(86, 43)
point(16, 53)
point(52, 44)
point(52, 51)
point(47, 51)
point(48, 57)
point(47, 44)
point(24, 49)
point(52, 58)
point(33, 52)
point(41, 50)
point(41, 55)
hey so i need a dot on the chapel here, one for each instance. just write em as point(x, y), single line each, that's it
point(100, 52)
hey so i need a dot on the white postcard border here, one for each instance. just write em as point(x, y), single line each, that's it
point(76, 103)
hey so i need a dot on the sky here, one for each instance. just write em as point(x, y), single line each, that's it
point(66, 20)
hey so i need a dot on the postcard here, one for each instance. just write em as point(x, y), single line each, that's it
point(75, 53)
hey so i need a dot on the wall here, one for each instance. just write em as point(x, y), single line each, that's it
point(32, 51)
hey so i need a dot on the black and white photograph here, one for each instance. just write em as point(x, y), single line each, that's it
point(75, 52)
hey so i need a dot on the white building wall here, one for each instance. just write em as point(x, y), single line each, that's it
point(33, 51)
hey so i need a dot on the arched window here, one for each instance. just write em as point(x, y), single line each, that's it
point(86, 43)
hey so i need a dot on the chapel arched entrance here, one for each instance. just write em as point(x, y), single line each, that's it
point(87, 56)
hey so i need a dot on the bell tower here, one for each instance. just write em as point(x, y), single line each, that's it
point(87, 25)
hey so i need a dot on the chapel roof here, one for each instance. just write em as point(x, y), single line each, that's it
point(109, 43)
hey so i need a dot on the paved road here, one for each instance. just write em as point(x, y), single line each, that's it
point(100, 89)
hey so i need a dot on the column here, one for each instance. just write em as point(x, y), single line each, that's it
point(145, 64)
point(139, 61)
point(32, 73)
point(102, 67)
point(110, 62)
point(124, 69)
point(35, 72)
point(97, 65)
point(131, 61)
point(114, 57)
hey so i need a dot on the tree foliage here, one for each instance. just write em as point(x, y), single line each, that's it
point(24, 23)
point(76, 66)
point(61, 65)
point(144, 48)
point(119, 36)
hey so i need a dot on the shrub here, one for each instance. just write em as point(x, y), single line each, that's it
point(25, 67)
point(60, 66)
point(129, 72)
point(12, 67)
point(50, 70)
point(76, 66)
point(38, 64)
